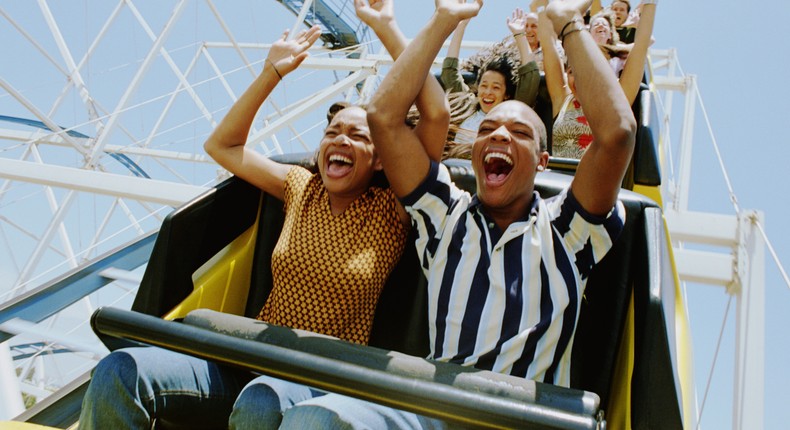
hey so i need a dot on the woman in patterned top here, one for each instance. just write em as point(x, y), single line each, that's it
point(341, 237)
point(571, 134)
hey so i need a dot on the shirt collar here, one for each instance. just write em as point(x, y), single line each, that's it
point(476, 205)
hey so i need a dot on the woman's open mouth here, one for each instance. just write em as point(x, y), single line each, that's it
point(338, 165)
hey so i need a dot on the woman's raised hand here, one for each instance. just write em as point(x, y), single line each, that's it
point(286, 55)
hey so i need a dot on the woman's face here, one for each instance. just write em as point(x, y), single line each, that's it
point(601, 31)
point(346, 156)
point(491, 90)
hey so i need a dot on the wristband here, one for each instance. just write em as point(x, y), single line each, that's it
point(578, 26)
point(565, 27)
point(523, 33)
point(275, 69)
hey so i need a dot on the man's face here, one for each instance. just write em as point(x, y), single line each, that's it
point(620, 10)
point(506, 155)
point(531, 29)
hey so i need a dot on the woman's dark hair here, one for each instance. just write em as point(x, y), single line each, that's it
point(334, 109)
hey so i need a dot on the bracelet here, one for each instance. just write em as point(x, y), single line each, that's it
point(565, 27)
point(519, 34)
point(275, 69)
point(579, 27)
point(571, 32)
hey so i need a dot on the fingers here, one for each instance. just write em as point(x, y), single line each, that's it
point(310, 36)
point(299, 59)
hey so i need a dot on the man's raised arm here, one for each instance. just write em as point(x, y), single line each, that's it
point(601, 169)
point(431, 102)
point(402, 153)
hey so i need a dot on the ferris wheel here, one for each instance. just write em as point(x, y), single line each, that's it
point(104, 108)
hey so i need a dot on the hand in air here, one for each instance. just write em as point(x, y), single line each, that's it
point(517, 22)
point(459, 9)
point(560, 12)
point(286, 55)
point(375, 12)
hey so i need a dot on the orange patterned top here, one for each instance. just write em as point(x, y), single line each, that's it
point(328, 271)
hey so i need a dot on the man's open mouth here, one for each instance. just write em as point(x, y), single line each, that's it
point(497, 166)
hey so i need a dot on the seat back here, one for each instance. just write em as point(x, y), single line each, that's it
point(191, 235)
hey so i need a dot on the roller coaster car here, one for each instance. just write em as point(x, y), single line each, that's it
point(209, 274)
point(214, 253)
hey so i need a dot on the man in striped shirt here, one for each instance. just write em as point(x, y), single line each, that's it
point(506, 269)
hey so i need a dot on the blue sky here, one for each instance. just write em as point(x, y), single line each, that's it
point(738, 53)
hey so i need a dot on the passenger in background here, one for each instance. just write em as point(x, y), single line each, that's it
point(531, 32)
point(603, 31)
point(571, 134)
point(626, 29)
point(495, 81)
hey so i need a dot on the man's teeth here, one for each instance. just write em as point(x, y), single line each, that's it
point(339, 158)
point(499, 155)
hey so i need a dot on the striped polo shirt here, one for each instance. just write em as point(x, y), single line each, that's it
point(506, 301)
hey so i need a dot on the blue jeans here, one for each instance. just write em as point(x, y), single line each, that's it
point(263, 401)
point(139, 388)
point(334, 411)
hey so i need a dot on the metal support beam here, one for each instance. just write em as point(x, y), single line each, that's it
point(18, 326)
point(686, 145)
point(54, 296)
point(11, 404)
point(749, 387)
point(704, 267)
point(319, 98)
point(149, 190)
point(703, 228)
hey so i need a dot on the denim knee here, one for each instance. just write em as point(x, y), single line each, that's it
point(257, 406)
point(307, 416)
point(113, 398)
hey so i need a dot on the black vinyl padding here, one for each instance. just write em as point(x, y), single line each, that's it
point(194, 232)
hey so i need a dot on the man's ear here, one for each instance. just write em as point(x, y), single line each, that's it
point(543, 162)
point(377, 166)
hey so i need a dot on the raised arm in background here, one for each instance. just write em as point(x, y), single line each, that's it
point(451, 76)
point(634, 68)
point(405, 161)
point(431, 102)
point(226, 144)
point(517, 23)
point(601, 169)
point(553, 67)
point(528, 71)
